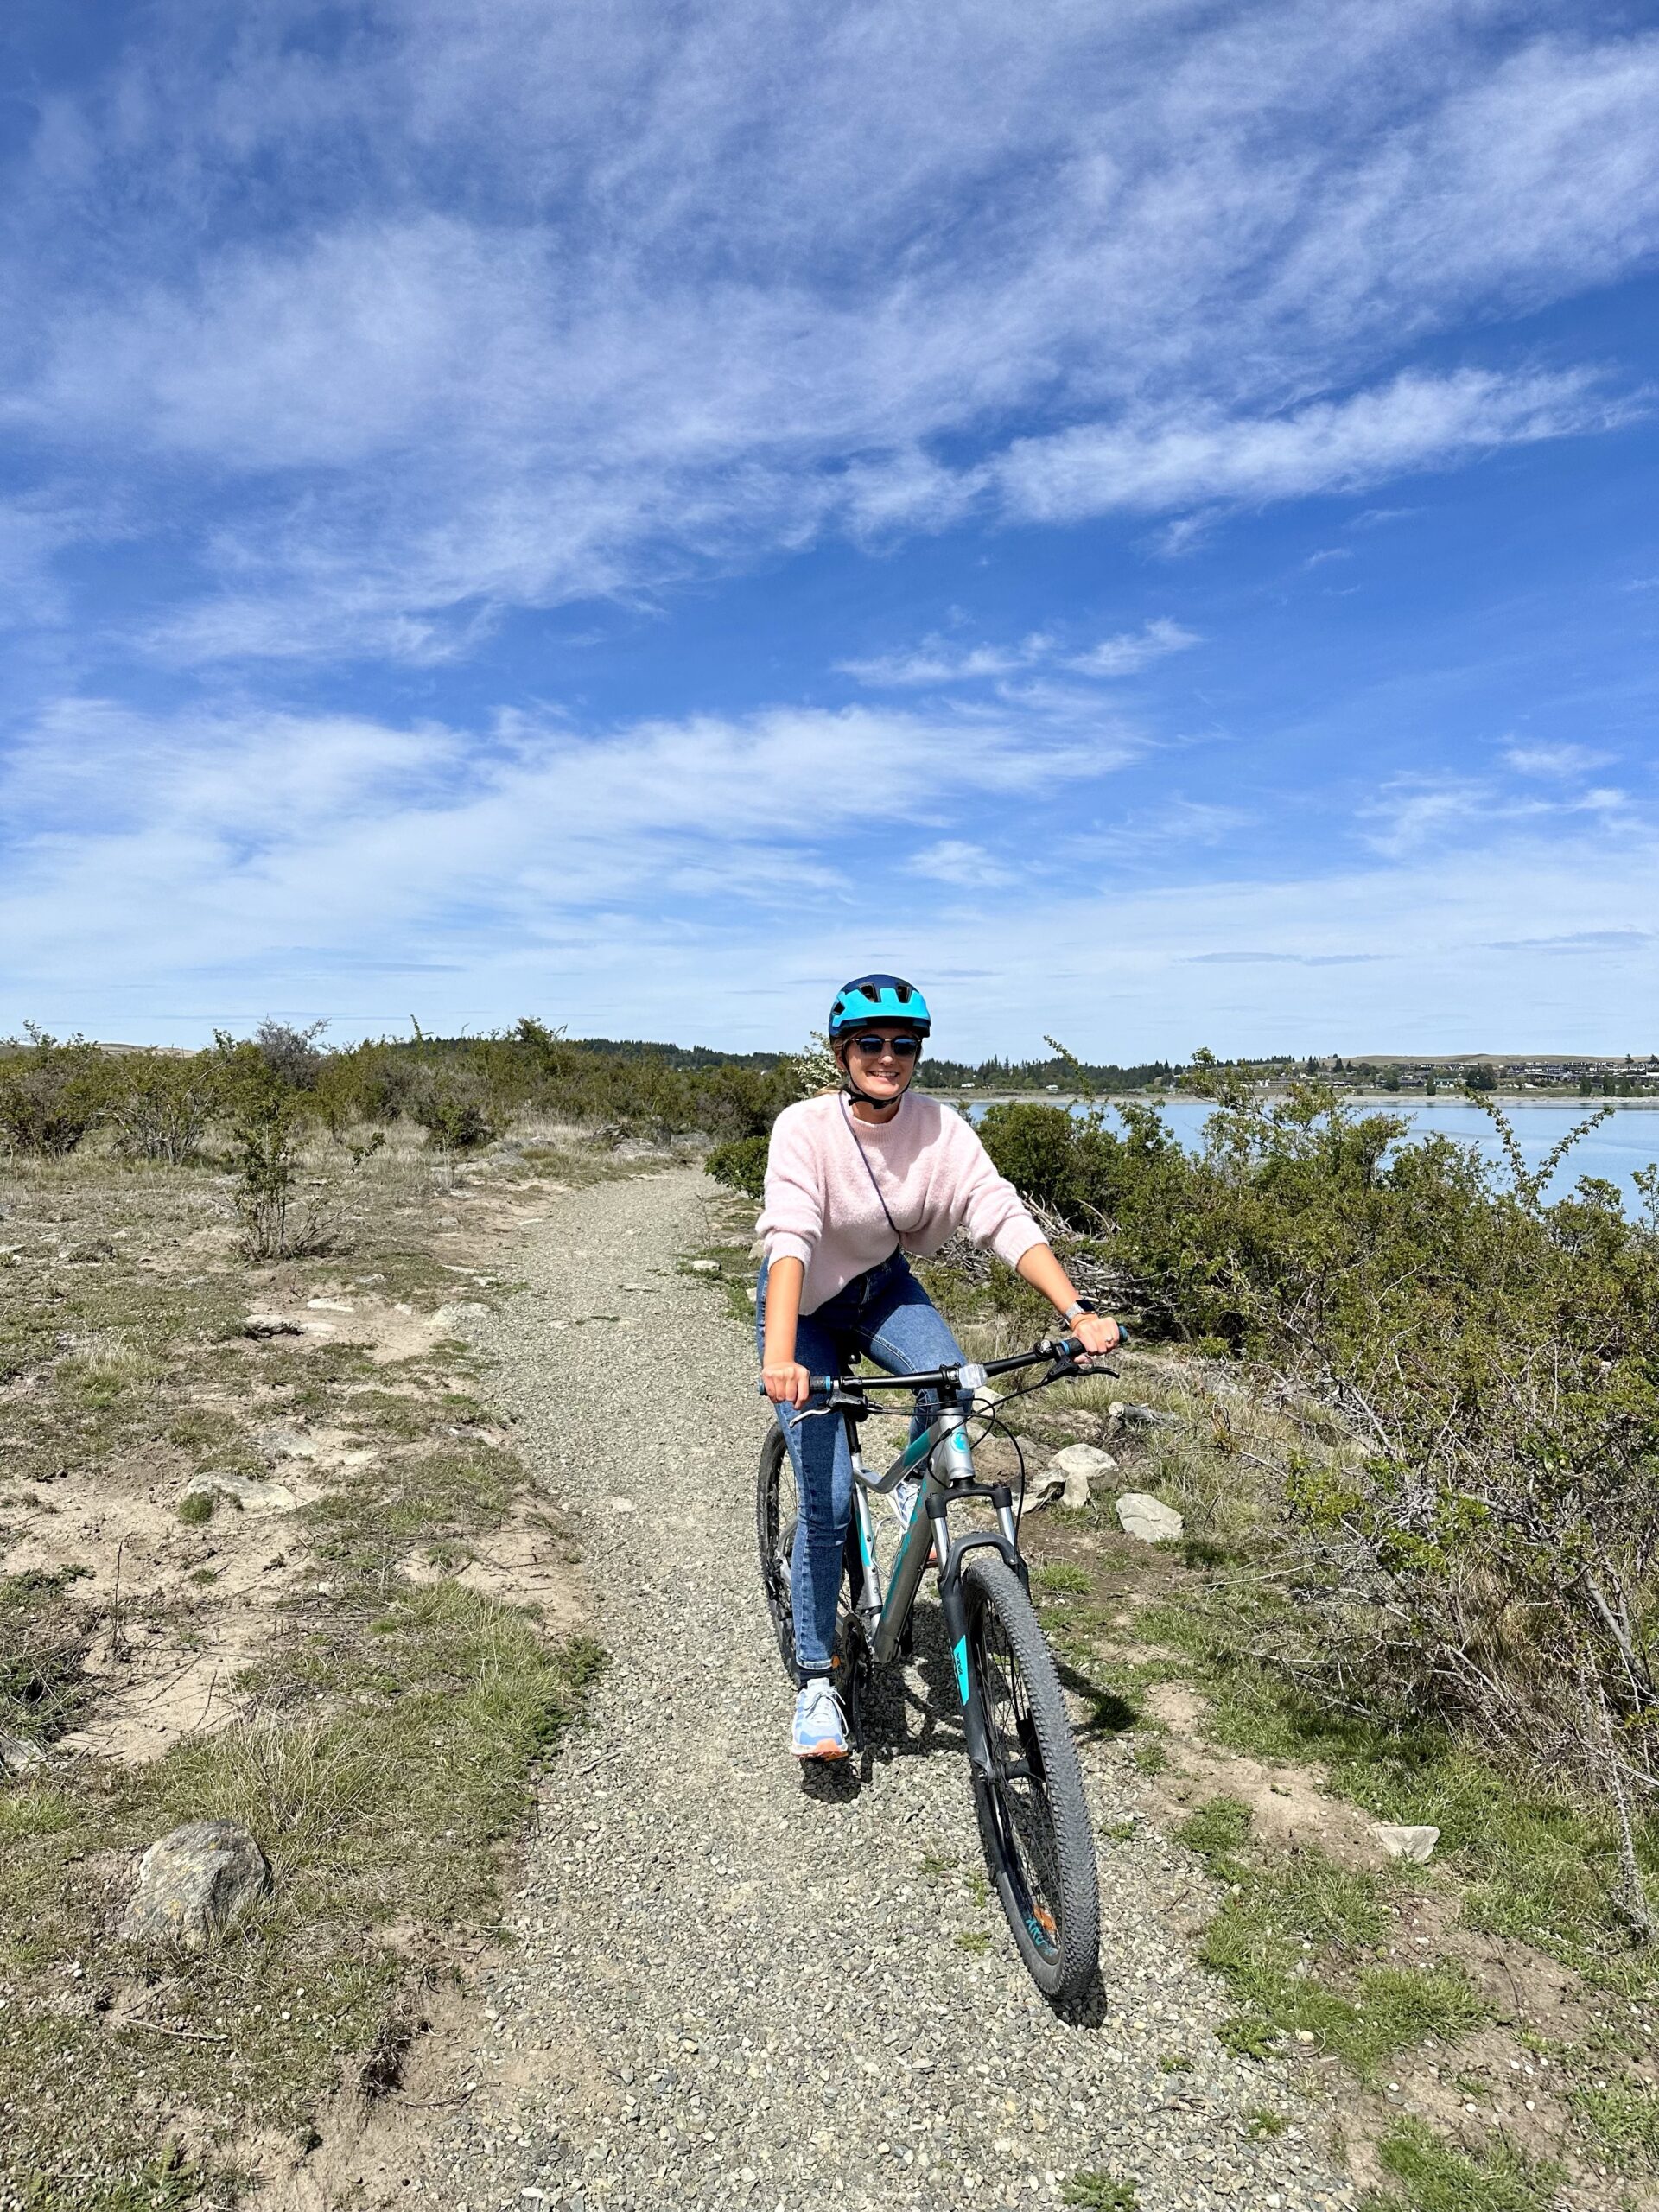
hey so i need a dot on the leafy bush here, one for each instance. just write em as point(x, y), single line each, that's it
point(161, 1108)
point(448, 1102)
point(290, 1054)
point(741, 1166)
point(51, 1094)
point(1469, 1496)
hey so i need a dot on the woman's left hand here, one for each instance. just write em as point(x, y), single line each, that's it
point(1095, 1332)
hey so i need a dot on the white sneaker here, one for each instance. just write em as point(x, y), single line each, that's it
point(820, 1723)
point(905, 1498)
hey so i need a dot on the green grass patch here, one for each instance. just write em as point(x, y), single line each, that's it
point(1435, 2176)
point(1534, 1864)
point(382, 1826)
point(1622, 2121)
point(1296, 1941)
point(1097, 2191)
point(1062, 1580)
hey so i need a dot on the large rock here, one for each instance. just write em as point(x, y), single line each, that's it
point(1414, 1843)
point(195, 1882)
point(273, 1324)
point(250, 1493)
point(1149, 1519)
point(1073, 1472)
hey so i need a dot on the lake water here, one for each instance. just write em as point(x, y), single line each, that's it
point(1627, 1140)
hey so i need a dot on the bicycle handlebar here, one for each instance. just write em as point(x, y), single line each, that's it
point(1062, 1350)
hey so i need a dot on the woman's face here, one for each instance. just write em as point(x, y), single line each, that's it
point(885, 1073)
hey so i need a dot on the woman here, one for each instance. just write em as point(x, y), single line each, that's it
point(856, 1181)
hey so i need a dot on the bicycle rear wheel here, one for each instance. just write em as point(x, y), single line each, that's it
point(1033, 1820)
point(777, 1510)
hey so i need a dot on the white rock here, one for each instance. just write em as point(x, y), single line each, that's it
point(986, 1400)
point(1072, 1472)
point(1415, 1843)
point(250, 1493)
point(18, 1757)
point(1149, 1519)
point(288, 1444)
point(705, 1266)
point(467, 1309)
point(273, 1324)
point(329, 1305)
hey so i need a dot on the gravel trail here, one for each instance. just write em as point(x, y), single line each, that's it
point(725, 1987)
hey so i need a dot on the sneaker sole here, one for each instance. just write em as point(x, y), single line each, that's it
point(828, 1754)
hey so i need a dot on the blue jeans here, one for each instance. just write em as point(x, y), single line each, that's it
point(886, 1314)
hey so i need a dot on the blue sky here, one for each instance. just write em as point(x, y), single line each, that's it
point(1142, 519)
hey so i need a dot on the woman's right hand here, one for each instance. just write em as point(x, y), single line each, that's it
point(785, 1381)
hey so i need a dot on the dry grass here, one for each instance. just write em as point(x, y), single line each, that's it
point(325, 1678)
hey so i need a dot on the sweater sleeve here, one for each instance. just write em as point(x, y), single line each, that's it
point(791, 1214)
point(989, 1207)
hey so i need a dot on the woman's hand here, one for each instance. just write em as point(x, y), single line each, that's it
point(785, 1381)
point(1095, 1332)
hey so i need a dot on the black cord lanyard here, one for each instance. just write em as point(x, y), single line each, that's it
point(899, 1244)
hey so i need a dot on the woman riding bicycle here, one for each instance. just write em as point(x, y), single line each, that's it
point(856, 1181)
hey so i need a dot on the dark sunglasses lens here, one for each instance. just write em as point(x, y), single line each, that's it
point(903, 1048)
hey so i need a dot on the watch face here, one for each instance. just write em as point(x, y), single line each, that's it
point(1086, 1306)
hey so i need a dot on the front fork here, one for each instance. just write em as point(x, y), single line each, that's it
point(951, 1463)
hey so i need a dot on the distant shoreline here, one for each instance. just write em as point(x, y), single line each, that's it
point(1447, 1097)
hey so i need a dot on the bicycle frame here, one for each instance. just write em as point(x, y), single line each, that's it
point(944, 1451)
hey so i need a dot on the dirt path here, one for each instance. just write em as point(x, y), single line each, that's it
point(723, 1988)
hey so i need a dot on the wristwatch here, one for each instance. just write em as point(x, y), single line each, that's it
point(1079, 1306)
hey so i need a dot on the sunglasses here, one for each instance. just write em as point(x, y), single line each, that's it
point(902, 1048)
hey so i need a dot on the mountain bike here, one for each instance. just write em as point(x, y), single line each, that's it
point(1033, 1820)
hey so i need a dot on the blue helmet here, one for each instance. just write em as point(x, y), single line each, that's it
point(879, 998)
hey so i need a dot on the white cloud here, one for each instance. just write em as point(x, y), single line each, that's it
point(1133, 650)
point(935, 663)
point(964, 866)
point(1554, 761)
point(222, 864)
point(1413, 811)
point(539, 304)
point(1417, 421)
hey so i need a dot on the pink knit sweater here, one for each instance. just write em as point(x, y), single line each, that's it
point(822, 1209)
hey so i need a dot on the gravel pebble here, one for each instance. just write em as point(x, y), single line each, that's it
point(728, 1986)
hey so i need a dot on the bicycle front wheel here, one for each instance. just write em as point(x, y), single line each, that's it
point(1033, 1820)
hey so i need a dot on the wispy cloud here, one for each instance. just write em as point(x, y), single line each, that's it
point(531, 307)
point(1133, 650)
point(964, 866)
point(1554, 762)
point(935, 663)
point(1417, 421)
point(1413, 811)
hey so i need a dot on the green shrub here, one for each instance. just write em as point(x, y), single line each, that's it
point(741, 1166)
point(50, 1093)
point(161, 1106)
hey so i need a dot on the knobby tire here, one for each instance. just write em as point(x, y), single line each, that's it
point(1033, 1819)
